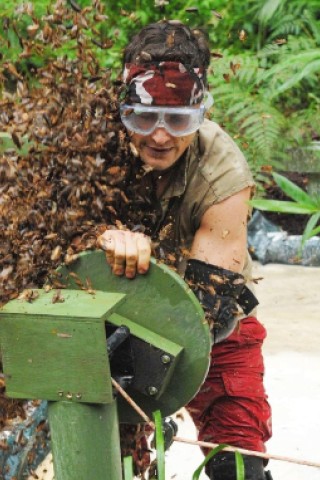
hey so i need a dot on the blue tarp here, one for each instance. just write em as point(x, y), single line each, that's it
point(268, 243)
point(26, 443)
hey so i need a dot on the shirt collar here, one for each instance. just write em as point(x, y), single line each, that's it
point(179, 183)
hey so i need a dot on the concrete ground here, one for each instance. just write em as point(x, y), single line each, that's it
point(289, 308)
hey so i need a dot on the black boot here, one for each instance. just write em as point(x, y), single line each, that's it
point(223, 467)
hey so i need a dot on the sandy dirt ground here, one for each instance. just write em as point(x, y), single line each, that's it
point(289, 308)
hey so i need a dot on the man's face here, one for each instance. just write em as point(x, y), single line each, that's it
point(160, 150)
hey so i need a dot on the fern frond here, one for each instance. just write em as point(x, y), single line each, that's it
point(259, 123)
point(271, 104)
point(292, 69)
point(313, 23)
point(306, 72)
point(268, 10)
point(288, 25)
point(270, 50)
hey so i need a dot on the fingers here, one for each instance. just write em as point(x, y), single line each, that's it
point(131, 255)
point(144, 253)
point(126, 252)
point(119, 260)
point(107, 243)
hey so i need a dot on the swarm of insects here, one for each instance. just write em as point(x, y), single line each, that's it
point(67, 168)
point(66, 164)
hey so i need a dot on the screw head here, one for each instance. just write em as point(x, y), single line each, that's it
point(165, 358)
point(78, 396)
point(152, 390)
point(60, 393)
point(69, 396)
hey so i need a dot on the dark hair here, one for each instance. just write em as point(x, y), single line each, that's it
point(169, 40)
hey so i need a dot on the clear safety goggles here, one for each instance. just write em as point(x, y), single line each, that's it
point(177, 121)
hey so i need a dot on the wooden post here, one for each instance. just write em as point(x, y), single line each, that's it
point(85, 441)
point(58, 352)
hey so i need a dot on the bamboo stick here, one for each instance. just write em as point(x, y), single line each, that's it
point(133, 404)
point(230, 448)
point(243, 451)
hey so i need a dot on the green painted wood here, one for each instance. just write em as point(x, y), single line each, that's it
point(161, 302)
point(146, 334)
point(58, 351)
point(76, 305)
point(85, 441)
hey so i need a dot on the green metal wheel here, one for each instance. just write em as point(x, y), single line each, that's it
point(159, 307)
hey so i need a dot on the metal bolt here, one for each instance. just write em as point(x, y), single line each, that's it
point(152, 390)
point(78, 396)
point(165, 358)
point(69, 396)
point(60, 393)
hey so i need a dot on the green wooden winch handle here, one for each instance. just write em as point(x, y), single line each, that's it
point(161, 303)
point(56, 350)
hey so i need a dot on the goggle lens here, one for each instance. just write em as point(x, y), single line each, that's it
point(181, 122)
point(144, 121)
point(178, 121)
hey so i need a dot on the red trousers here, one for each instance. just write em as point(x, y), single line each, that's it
point(231, 406)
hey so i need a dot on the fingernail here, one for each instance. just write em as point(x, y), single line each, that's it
point(130, 275)
point(118, 271)
point(142, 271)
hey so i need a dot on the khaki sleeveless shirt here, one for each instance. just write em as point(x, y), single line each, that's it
point(212, 170)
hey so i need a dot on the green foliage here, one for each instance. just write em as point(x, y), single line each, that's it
point(160, 456)
point(128, 468)
point(239, 466)
point(159, 446)
point(267, 92)
point(266, 85)
point(211, 454)
point(302, 203)
point(107, 26)
point(248, 115)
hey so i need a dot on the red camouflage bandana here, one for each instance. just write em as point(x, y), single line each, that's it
point(165, 83)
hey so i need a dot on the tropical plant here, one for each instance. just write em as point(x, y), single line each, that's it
point(302, 203)
point(159, 472)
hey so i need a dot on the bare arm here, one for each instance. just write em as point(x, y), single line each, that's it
point(222, 237)
point(221, 240)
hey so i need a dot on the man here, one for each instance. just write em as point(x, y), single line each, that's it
point(200, 183)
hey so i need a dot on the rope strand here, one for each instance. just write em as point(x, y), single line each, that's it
point(254, 453)
point(230, 448)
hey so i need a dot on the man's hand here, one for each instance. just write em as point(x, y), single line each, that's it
point(128, 253)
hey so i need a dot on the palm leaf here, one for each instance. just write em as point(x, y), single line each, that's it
point(315, 232)
point(159, 446)
point(239, 466)
point(310, 231)
point(239, 463)
point(293, 191)
point(211, 454)
point(282, 207)
point(128, 468)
